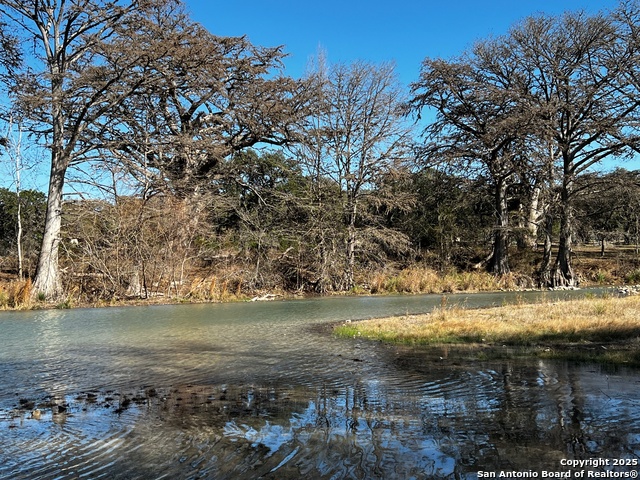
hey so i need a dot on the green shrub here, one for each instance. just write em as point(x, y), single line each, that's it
point(633, 276)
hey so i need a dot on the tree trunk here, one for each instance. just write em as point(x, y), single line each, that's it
point(351, 246)
point(637, 246)
point(47, 281)
point(545, 268)
point(19, 235)
point(563, 275)
point(500, 259)
point(351, 258)
point(533, 217)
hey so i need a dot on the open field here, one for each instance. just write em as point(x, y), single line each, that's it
point(603, 329)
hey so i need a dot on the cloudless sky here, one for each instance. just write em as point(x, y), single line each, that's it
point(404, 31)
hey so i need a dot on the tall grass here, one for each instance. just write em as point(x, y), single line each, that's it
point(427, 280)
point(633, 277)
point(223, 288)
point(16, 294)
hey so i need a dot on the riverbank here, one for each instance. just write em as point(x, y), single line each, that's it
point(620, 266)
point(16, 294)
point(603, 329)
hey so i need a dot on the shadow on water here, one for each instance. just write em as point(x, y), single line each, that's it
point(189, 393)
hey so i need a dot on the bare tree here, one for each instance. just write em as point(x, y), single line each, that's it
point(208, 98)
point(580, 69)
point(360, 134)
point(13, 145)
point(569, 82)
point(480, 125)
point(63, 86)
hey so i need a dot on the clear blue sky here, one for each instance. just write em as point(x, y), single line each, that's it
point(405, 31)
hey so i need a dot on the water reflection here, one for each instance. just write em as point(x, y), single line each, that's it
point(189, 393)
point(450, 424)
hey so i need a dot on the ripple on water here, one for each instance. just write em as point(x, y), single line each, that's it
point(361, 430)
point(222, 396)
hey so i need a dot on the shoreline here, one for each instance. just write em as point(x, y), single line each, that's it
point(70, 303)
point(622, 347)
point(599, 329)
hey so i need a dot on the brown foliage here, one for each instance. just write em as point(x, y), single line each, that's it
point(15, 294)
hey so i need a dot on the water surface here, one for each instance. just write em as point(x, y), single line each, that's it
point(261, 390)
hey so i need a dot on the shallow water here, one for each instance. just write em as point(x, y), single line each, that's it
point(258, 390)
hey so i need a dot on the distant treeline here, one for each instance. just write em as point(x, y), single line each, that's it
point(268, 235)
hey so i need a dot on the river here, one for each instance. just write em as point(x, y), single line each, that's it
point(262, 390)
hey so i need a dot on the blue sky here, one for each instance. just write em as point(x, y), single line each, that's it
point(403, 31)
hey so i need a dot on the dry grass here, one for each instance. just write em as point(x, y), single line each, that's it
point(599, 320)
point(427, 280)
point(226, 287)
point(15, 294)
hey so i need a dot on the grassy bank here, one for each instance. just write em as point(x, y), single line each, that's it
point(16, 294)
point(602, 329)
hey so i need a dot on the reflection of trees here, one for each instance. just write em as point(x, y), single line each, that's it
point(541, 413)
point(523, 416)
point(425, 420)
